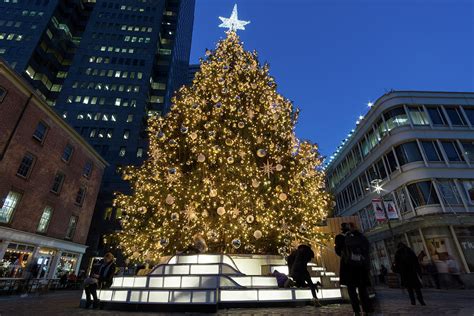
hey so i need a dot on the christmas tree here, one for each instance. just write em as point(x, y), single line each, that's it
point(224, 163)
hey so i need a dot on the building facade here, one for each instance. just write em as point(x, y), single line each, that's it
point(50, 181)
point(414, 152)
point(105, 66)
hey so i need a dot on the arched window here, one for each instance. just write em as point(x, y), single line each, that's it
point(3, 93)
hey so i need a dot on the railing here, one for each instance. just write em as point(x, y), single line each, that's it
point(11, 286)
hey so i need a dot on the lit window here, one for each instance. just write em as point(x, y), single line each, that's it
point(80, 116)
point(108, 213)
point(71, 228)
point(109, 133)
point(139, 152)
point(118, 101)
point(101, 133)
point(94, 100)
point(92, 133)
point(122, 151)
point(113, 118)
point(130, 118)
point(45, 219)
point(105, 117)
point(87, 170)
point(67, 153)
point(40, 131)
point(126, 134)
point(9, 205)
point(25, 166)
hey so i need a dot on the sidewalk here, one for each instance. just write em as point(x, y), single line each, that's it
point(392, 302)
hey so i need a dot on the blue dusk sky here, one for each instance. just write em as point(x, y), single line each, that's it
point(331, 57)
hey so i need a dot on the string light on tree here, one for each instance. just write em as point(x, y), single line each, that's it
point(204, 172)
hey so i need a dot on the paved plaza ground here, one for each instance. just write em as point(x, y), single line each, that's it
point(391, 302)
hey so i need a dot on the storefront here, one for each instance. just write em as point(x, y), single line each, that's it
point(25, 254)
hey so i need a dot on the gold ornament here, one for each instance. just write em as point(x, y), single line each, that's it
point(220, 210)
point(278, 167)
point(213, 193)
point(241, 125)
point(261, 153)
point(255, 183)
point(257, 234)
point(282, 196)
point(169, 199)
point(201, 158)
point(230, 160)
point(193, 135)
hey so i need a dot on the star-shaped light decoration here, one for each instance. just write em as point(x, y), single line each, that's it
point(268, 169)
point(233, 23)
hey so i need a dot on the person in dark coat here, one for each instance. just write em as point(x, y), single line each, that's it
point(407, 265)
point(299, 270)
point(353, 248)
point(107, 272)
point(101, 278)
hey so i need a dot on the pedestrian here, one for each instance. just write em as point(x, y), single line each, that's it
point(454, 271)
point(299, 270)
point(383, 274)
point(353, 248)
point(407, 265)
point(101, 278)
point(90, 286)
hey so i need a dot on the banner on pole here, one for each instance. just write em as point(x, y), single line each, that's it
point(378, 210)
point(391, 209)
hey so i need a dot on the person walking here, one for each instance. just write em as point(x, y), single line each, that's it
point(407, 265)
point(299, 270)
point(383, 274)
point(455, 271)
point(353, 248)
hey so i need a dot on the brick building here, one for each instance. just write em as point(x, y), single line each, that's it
point(50, 179)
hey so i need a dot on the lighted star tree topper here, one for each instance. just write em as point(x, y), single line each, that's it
point(224, 163)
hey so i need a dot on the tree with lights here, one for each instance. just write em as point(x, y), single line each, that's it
point(224, 163)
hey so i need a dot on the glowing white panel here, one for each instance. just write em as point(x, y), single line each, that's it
point(135, 296)
point(173, 260)
point(242, 280)
point(105, 295)
point(264, 281)
point(303, 294)
point(334, 279)
point(187, 259)
point(318, 269)
point(281, 269)
point(83, 295)
point(180, 297)
point(275, 295)
point(330, 293)
point(209, 282)
point(155, 282)
point(144, 297)
point(117, 282)
point(330, 273)
point(206, 259)
point(203, 297)
point(140, 282)
point(172, 282)
point(159, 270)
point(229, 261)
point(158, 297)
point(239, 295)
point(190, 281)
point(316, 279)
point(119, 296)
point(128, 282)
point(227, 282)
point(184, 269)
point(205, 269)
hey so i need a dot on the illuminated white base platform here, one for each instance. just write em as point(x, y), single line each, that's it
point(212, 281)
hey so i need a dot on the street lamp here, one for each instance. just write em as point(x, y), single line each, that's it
point(377, 188)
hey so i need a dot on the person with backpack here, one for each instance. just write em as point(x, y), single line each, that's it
point(407, 265)
point(353, 248)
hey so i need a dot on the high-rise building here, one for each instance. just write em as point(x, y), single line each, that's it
point(411, 159)
point(105, 66)
point(192, 69)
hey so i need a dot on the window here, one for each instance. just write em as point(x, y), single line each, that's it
point(395, 117)
point(126, 134)
point(40, 131)
point(44, 220)
point(67, 153)
point(431, 150)
point(71, 228)
point(470, 115)
point(422, 193)
point(87, 170)
point(408, 152)
point(57, 183)
point(381, 169)
point(455, 116)
point(25, 166)
point(81, 193)
point(401, 200)
point(139, 152)
point(108, 213)
point(469, 187)
point(452, 151)
point(3, 93)
point(437, 116)
point(468, 150)
point(391, 162)
point(118, 213)
point(418, 116)
point(9, 205)
point(449, 192)
point(122, 151)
